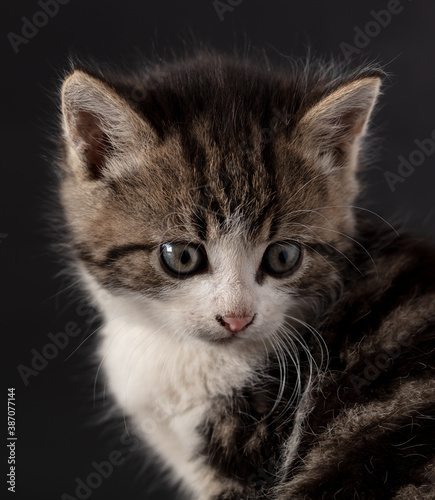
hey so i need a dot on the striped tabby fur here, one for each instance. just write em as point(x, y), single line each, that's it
point(329, 392)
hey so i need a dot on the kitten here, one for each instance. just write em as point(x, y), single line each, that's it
point(266, 338)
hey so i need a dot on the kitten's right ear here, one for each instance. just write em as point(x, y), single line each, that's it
point(339, 120)
point(100, 128)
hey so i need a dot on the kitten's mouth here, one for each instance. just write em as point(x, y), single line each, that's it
point(227, 337)
point(223, 338)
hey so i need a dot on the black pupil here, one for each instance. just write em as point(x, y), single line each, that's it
point(185, 257)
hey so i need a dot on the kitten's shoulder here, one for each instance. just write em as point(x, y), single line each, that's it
point(389, 290)
point(398, 256)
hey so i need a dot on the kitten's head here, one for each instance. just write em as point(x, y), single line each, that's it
point(215, 193)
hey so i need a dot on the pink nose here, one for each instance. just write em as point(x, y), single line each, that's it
point(236, 324)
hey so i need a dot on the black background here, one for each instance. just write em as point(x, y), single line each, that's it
point(58, 434)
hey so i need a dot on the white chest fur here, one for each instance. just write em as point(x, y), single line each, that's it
point(165, 382)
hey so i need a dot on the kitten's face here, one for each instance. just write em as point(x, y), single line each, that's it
point(221, 233)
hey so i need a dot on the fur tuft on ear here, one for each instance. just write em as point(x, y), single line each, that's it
point(335, 125)
point(99, 127)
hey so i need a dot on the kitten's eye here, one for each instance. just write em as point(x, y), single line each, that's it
point(281, 258)
point(182, 258)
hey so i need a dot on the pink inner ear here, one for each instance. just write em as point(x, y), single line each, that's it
point(353, 122)
point(88, 129)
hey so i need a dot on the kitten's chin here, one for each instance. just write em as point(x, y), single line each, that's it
point(229, 339)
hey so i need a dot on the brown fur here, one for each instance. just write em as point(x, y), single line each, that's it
point(218, 145)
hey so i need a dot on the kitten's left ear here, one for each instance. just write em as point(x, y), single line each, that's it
point(102, 131)
point(336, 123)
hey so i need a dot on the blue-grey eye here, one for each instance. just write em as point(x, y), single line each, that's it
point(281, 258)
point(182, 259)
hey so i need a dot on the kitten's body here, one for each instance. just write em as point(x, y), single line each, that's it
point(233, 160)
